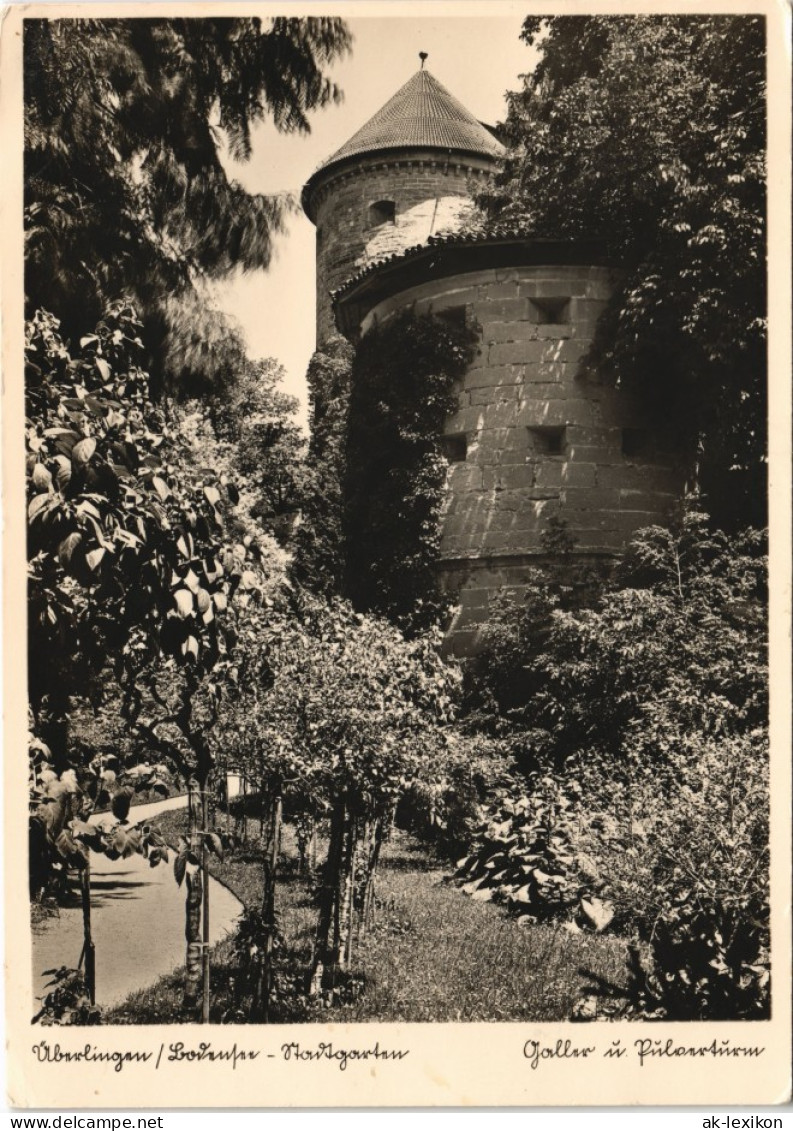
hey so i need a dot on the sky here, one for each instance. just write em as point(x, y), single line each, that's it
point(478, 58)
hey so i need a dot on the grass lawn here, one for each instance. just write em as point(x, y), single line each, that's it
point(434, 954)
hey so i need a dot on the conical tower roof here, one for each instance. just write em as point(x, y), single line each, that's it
point(422, 114)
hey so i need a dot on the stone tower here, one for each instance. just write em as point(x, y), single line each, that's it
point(405, 175)
point(538, 433)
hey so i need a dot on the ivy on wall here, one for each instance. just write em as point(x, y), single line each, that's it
point(319, 551)
point(403, 389)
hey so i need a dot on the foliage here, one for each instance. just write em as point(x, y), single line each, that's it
point(127, 127)
point(340, 715)
point(685, 855)
point(61, 805)
point(524, 852)
point(499, 684)
point(403, 389)
point(673, 652)
point(692, 833)
point(639, 732)
point(703, 965)
point(246, 434)
point(67, 1002)
point(649, 133)
point(447, 811)
point(319, 562)
point(343, 703)
point(268, 445)
point(122, 543)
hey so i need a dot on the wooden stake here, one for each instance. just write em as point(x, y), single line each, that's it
point(89, 950)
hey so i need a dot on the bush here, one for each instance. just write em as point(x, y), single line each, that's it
point(702, 965)
point(640, 724)
point(523, 852)
point(673, 652)
point(67, 1002)
point(448, 813)
point(694, 833)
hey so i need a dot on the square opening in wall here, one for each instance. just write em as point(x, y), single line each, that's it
point(636, 443)
point(382, 212)
point(551, 311)
point(547, 440)
point(455, 447)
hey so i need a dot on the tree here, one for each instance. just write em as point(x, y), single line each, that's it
point(246, 434)
point(337, 712)
point(121, 539)
point(132, 563)
point(268, 446)
point(649, 133)
point(126, 123)
point(132, 575)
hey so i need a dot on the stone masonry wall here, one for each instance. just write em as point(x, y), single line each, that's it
point(341, 208)
point(542, 435)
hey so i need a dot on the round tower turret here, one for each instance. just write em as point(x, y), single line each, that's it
point(403, 177)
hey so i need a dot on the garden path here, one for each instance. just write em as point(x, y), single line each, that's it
point(137, 919)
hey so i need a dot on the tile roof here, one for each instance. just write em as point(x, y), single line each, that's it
point(505, 244)
point(422, 114)
point(458, 238)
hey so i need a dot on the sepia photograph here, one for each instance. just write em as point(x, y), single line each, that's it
point(396, 487)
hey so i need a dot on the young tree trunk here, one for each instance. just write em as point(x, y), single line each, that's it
point(89, 950)
point(269, 876)
point(344, 898)
point(327, 900)
point(213, 806)
point(307, 844)
point(193, 967)
point(431, 815)
point(373, 855)
point(350, 895)
point(205, 998)
point(245, 809)
point(228, 802)
point(312, 847)
point(302, 847)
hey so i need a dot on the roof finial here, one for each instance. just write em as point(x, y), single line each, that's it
point(423, 57)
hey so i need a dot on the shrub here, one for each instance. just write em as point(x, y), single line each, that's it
point(448, 812)
point(640, 724)
point(694, 833)
point(673, 652)
point(702, 965)
point(523, 852)
point(67, 1002)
